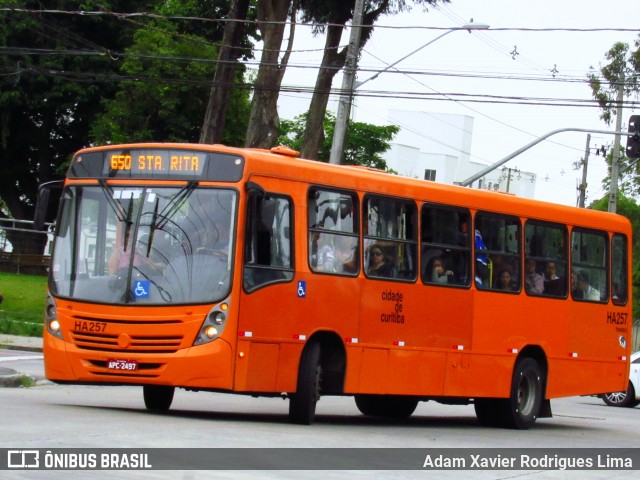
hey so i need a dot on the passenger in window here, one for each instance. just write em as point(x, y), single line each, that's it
point(119, 260)
point(483, 263)
point(504, 280)
point(439, 274)
point(345, 254)
point(587, 292)
point(533, 281)
point(379, 266)
point(552, 282)
point(575, 292)
point(462, 235)
point(323, 258)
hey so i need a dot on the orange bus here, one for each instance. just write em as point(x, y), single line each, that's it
point(250, 271)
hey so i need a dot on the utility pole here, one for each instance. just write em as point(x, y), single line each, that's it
point(585, 163)
point(615, 159)
point(348, 79)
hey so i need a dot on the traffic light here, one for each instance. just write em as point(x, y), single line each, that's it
point(633, 140)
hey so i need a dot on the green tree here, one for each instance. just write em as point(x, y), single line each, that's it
point(331, 16)
point(264, 121)
point(628, 182)
point(165, 99)
point(49, 93)
point(365, 143)
point(69, 80)
point(623, 69)
point(229, 71)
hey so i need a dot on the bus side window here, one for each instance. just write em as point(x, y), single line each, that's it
point(268, 247)
point(333, 227)
point(589, 265)
point(619, 269)
point(390, 238)
point(446, 248)
point(546, 255)
point(497, 252)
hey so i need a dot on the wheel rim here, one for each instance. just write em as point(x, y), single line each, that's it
point(616, 397)
point(316, 393)
point(526, 395)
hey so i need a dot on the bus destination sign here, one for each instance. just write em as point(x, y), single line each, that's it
point(166, 162)
point(157, 164)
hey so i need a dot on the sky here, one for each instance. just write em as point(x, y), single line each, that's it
point(508, 59)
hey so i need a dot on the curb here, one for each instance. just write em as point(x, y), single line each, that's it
point(11, 346)
point(10, 378)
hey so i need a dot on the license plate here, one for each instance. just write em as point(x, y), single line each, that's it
point(122, 365)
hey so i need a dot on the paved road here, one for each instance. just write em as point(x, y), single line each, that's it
point(59, 416)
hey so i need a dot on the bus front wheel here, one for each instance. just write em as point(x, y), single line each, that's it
point(302, 404)
point(158, 397)
point(522, 408)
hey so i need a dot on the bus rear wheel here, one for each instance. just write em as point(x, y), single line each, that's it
point(302, 405)
point(390, 406)
point(158, 397)
point(522, 408)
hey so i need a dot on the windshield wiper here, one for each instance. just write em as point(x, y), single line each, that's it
point(177, 202)
point(152, 230)
point(127, 226)
point(116, 206)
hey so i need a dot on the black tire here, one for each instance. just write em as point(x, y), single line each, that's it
point(521, 409)
point(158, 397)
point(488, 411)
point(389, 406)
point(302, 404)
point(621, 399)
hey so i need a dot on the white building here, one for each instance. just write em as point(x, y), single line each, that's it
point(437, 146)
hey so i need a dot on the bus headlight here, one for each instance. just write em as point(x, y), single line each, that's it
point(51, 318)
point(213, 324)
point(210, 331)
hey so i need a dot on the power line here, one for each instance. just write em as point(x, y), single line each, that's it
point(114, 55)
point(121, 15)
point(84, 77)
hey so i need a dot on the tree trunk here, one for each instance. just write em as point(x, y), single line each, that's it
point(332, 62)
point(216, 113)
point(264, 122)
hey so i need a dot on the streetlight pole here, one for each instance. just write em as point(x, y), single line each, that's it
point(348, 79)
point(349, 84)
point(615, 158)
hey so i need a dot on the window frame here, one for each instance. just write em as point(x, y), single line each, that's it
point(546, 259)
point(369, 240)
point(330, 232)
point(624, 270)
point(583, 265)
point(246, 266)
point(517, 256)
point(454, 249)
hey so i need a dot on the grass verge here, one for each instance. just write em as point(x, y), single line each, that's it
point(22, 309)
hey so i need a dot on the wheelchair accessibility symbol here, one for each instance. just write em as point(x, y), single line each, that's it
point(141, 289)
point(302, 289)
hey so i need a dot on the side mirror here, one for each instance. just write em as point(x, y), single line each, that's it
point(47, 204)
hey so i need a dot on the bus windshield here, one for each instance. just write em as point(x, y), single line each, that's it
point(144, 245)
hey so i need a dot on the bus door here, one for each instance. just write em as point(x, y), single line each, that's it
point(268, 312)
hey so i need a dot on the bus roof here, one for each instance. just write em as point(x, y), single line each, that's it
point(282, 162)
